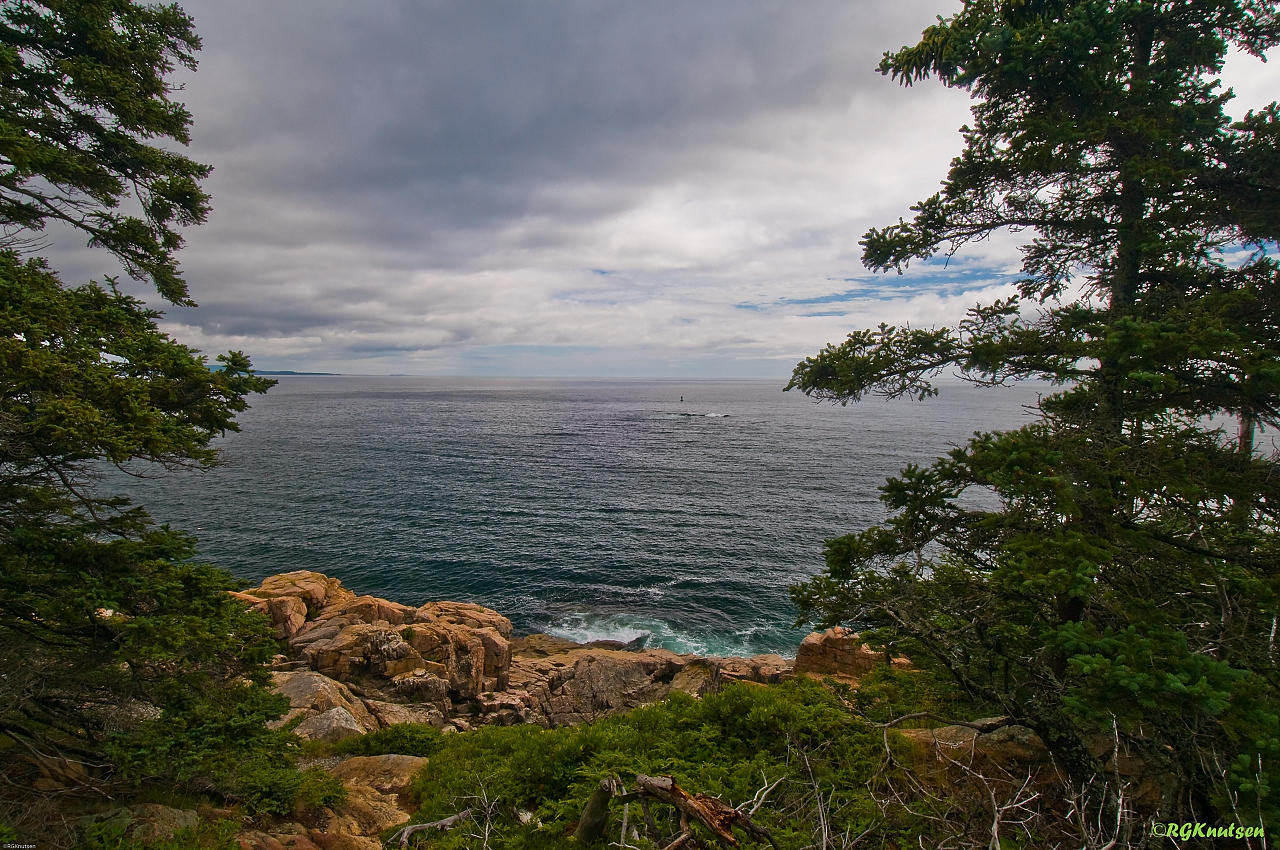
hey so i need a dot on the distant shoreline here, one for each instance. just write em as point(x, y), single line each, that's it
point(289, 372)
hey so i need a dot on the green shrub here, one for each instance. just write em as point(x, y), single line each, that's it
point(267, 788)
point(404, 739)
point(206, 739)
point(319, 789)
point(223, 746)
point(728, 745)
point(888, 693)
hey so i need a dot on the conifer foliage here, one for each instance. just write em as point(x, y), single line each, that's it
point(1124, 593)
point(119, 653)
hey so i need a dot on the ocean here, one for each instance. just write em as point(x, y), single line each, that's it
point(680, 510)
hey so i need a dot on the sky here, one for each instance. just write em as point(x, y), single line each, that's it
point(566, 188)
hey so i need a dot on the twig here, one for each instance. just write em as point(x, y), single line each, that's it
point(758, 800)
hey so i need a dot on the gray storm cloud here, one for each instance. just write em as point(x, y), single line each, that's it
point(420, 187)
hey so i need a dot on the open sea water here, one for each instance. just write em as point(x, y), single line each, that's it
point(590, 509)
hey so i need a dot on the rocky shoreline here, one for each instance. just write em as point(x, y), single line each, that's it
point(356, 664)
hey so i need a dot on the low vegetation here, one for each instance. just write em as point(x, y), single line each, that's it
point(813, 761)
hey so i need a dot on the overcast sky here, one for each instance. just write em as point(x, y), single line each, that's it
point(661, 188)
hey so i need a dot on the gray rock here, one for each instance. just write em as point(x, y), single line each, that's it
point(313, 693)
point(394, 713)
point(332, 725)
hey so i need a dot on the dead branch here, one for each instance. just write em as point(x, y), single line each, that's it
point(982, 726)
point(760, 796)
point(820, 804)
point(681, 840)
point(650, 824)
point(442, 825)
point(716, 815)
point(488, 809)
point(622, 833)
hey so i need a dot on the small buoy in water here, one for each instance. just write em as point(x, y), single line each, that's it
point(681, 399)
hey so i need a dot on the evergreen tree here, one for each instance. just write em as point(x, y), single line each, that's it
point(1125, 589)
point(121, 655)
point(84, 90)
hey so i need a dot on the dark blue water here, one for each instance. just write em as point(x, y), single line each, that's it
point(584, 508)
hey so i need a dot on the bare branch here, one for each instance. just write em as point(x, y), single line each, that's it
point(443, 825)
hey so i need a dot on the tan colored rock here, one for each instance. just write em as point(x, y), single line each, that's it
point(466, 667)
point(253, 839)
point(608, 682)
point(442, 658)
point(370, 609)
point(497, 657)
point(343, 654)
point(766, 669)
point(950, 737)
point(466, 655)
point(358, 649)
point(430, 640)
point(1013, 745)
point(286, 613)
point(314, 693)
point(422, 686)
point(390, 654)
point(314, 632)
point(245, 597)
point(283, 720)
point(376, 801)
point(390, 774)
point(336, 841)
point(838, 652)
point(540, 646)
point(316, 590)
point(365, 812)
point(394, 713)
point(1006, 746)
point(344, 636)
point(459, 650)
point(465, 614)
point(505, 708)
